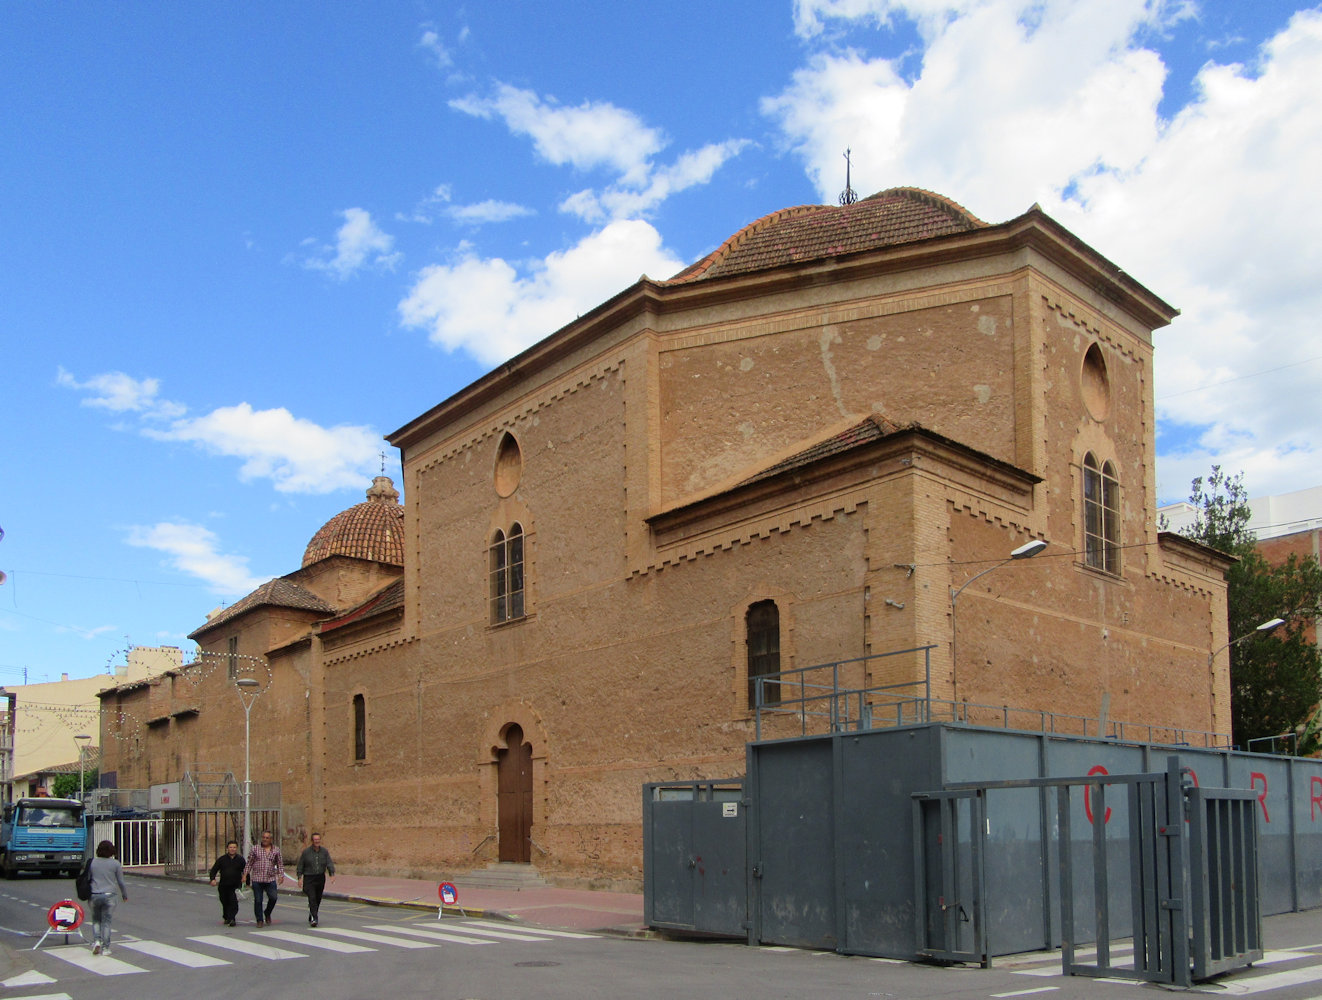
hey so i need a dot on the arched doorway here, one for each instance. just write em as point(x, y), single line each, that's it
point(514, 796)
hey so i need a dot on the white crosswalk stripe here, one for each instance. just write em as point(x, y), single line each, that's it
point(540, 932)
point(168, 952)
point(102, 965)
point(480, 931)
point(306, 940)
point(43, 996)
point(246, 946)
point(427, 932)
point(377, 938)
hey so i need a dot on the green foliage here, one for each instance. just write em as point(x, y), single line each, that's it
point(1276, 679)
point(65, 786)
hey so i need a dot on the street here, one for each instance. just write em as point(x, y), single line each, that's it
point(169, 942)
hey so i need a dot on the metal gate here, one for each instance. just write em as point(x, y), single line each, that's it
point(950, 876)
point(694, 836)
point(1223, 867)
point(1189, 862)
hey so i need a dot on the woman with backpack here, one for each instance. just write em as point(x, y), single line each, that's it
point(107, 883)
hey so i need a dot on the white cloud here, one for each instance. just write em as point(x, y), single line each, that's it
point(431, 42)
point(488, 309)
point(297, 455)
point(359, 243)
point(588, 136)
point(488, 211)
point(601, 136)
point(1056, 102)
point(121, 393)
point(619, 201)
point(192, 549)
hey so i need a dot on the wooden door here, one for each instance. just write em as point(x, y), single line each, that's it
point(514, 797)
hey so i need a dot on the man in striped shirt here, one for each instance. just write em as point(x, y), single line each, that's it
point(266, 870)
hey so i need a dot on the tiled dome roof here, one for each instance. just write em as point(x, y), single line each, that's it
point(813, 232)
point(373, 530)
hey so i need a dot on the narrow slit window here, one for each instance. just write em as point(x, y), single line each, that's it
point(763, 633)
point(359, 727)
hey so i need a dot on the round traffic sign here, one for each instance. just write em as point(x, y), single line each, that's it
point(66, 915)
point(448, 893)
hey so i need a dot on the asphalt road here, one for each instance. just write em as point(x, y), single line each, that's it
point(169, 942)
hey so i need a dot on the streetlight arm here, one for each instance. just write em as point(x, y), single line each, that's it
point(1263, 629)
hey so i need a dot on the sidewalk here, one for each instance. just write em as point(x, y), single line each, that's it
point(543, 906)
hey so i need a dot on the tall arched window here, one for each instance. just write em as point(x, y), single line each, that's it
point(1101, 515)
point(359, 727)
point(762, 625)
point(506, 557)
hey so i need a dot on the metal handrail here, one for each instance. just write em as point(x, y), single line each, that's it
point(911, 702)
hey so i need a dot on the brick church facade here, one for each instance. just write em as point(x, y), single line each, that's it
point(790, 454)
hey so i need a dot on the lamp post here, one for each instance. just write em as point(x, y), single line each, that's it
point(1025, 551)
point(83, 739)
point(249, 691)
point(1263, 629)
point(1268, 626)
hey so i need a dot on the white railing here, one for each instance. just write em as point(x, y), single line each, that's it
point(143, 843)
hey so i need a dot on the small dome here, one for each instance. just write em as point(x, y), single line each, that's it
point(373, 530)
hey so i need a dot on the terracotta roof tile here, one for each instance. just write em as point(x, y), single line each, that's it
point(814, 232)
point(278, 593)
point(373, 530)
point(873, 428)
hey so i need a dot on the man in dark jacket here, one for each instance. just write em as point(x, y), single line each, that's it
point(229, 867)
point(314, 865)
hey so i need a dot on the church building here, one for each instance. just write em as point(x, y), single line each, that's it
point(696, 513)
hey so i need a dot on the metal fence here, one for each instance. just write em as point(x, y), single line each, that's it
point(842, 696)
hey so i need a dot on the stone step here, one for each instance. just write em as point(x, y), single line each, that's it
point(502, 875)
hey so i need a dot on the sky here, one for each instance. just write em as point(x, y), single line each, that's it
point(241, 242)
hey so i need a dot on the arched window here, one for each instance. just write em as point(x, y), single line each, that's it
point(1101, 515)
point(762, 624)
point(359, 727)
point(506, 557)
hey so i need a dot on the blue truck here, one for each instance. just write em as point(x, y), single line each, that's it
point(43, 835)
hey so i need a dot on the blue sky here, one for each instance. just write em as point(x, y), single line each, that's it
point(241, 242)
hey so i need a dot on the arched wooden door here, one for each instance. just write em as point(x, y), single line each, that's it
point(514, 796)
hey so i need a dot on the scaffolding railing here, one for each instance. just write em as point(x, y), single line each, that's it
point(821, 698)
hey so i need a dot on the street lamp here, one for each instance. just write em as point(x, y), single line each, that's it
point(249, 691)
point(1263, 629)
point(83, 739)
point(1025, 551)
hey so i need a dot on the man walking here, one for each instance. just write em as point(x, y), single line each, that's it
point(266, 870)
point(314, 865)
point(230, 867)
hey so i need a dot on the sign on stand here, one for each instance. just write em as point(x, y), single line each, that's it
point(449, 897)
point(62, 918)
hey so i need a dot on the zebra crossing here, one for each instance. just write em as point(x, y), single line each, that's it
point(1284, 968)
point(131, 955)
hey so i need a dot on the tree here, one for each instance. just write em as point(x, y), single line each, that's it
point(65, 786)
point(1275, 680)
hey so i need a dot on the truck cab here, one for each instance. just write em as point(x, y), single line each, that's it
point(43, 835)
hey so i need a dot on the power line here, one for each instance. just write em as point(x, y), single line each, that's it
point(1239, 378)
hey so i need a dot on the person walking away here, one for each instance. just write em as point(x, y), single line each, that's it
point(314, 865)
point(107, 884)
point(229, 867)
point(266, 870)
